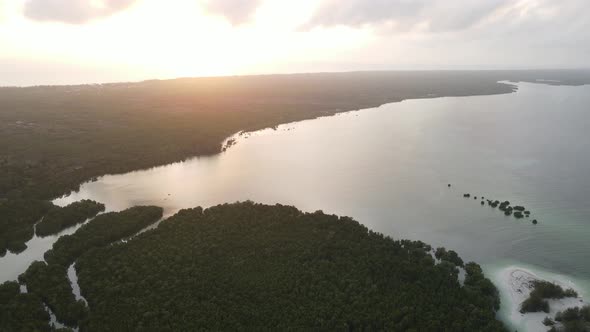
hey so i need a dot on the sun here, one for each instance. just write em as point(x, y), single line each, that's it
point(179, 38)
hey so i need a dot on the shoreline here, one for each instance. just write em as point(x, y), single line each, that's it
point(515, 284)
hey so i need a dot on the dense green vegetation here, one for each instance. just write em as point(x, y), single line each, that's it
point(123, 127)
point(51, 284)
point(534, 303)
point(449, 256)
point(544, 290)
point(549, 290)
point(17, 218)
point(101, 231)
point(251, 266)
point(21, 312)
point(92, 130)
point(573, 320)
point(60, 218)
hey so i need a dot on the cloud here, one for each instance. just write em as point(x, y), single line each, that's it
point(235, 11)
point(436, 15)
point(511, 34)
point(73, 11)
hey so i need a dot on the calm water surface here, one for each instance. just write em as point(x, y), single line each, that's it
point(388, 167)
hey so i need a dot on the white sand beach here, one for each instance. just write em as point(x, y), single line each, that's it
point(516, 283)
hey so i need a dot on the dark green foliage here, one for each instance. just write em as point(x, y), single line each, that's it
point(519, 208)
point(449, 256)
point(247, 266)
point(101, 231)
point(549, 290)
point(544, 290)
point(17, 218)
point(60, 218)
point(518, 215)
point(51, 284)
point(123, 127)
point(575, 319)
point(21, 312)
point(8, 291)
point(534, 303)
point(480, 289)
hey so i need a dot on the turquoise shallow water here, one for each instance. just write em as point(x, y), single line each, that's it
point(388, 167)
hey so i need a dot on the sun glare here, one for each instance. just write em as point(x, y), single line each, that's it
point(164, 40)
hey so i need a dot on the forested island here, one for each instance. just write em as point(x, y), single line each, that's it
point(252, 266)
point(59, 218)
point(20, 219)
point(248, 266)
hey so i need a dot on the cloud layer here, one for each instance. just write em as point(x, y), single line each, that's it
point(235, 11)
point(81, 11)
point(437, 15)
point(73, 11)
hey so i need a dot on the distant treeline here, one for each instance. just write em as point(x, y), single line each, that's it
point(53, 138)
point(90, 130)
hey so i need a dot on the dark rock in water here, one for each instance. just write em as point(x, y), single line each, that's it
point(508, 212)
point(519, 208)
point(482, 197)
point(449, 185)
point(474, 197)
point(527, 212)
point(535, 221)
point(482, 203)
point(518, 214)
point(466, 195)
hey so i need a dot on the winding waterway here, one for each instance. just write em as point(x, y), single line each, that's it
point(388, 167)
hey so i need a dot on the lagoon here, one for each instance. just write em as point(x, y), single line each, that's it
point(388, 167)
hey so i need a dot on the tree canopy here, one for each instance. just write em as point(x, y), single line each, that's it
point(59, 218)
point(17, 217)
point(252, 266)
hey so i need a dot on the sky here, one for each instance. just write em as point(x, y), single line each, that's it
point(96, 41)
